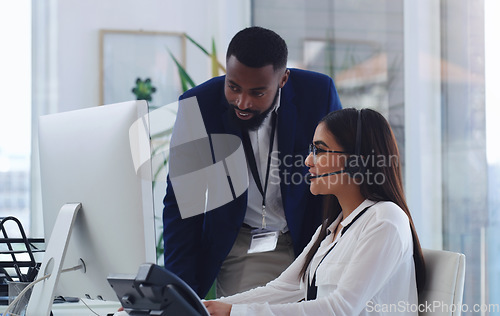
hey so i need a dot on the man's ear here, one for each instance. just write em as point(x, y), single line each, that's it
point(284, 78)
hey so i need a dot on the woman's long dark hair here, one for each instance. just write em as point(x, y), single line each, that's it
point(377, 142)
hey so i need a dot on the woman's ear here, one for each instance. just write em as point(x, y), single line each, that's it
point(284, 78)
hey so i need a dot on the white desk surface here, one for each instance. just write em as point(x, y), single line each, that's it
point(79, 309)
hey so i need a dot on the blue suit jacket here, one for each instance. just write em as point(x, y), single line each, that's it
point(196, 247)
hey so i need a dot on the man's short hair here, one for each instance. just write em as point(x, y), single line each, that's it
point(258, 47)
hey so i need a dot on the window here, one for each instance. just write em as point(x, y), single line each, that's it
point(492, 65)
point(422, 64)
point(15, 110)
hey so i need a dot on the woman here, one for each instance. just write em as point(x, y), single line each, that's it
point(365, 259)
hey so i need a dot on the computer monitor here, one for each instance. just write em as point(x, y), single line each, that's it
point(99, 157)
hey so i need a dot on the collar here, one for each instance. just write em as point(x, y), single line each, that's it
point(351, 216)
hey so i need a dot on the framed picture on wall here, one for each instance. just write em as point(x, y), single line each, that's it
point(126, 56)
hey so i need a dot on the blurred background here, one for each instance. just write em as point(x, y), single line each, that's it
point(429, 66)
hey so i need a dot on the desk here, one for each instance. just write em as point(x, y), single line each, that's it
point(79, 309)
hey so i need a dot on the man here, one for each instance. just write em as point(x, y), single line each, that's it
point(274, 110)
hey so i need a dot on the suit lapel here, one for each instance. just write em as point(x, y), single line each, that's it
point(287, 118)
point(237, 208)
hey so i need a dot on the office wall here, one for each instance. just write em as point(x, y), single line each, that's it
point(78, 24)
point(66, 51)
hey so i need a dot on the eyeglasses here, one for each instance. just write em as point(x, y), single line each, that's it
point(316, 150)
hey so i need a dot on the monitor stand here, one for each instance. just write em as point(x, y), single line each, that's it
point(42, 296)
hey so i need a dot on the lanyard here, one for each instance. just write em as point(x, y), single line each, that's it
point(247, 145)
point(312, 290)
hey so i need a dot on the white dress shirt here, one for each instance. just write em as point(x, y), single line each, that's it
point(369, 272)
point(261, 139)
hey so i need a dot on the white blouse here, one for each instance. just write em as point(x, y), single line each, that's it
point(369, 272)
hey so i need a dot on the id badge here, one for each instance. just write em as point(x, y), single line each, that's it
point(263, 241)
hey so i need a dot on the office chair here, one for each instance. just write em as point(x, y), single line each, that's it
point(444, 287)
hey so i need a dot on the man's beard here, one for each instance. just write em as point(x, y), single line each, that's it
point(256, 121)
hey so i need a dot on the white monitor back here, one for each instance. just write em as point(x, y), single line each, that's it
point(87, 157)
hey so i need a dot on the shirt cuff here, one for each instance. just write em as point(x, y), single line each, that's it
point(239, 310)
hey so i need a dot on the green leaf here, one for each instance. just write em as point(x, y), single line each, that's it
point(215, 62)
point(211, 295)
point(213, 55)
point(197, 44)
point(159, 247)
point(185, 78)
point(160, 148)
point(166, 132)
point(158, 171)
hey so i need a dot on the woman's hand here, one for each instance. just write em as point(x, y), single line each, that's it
point(218, 308)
